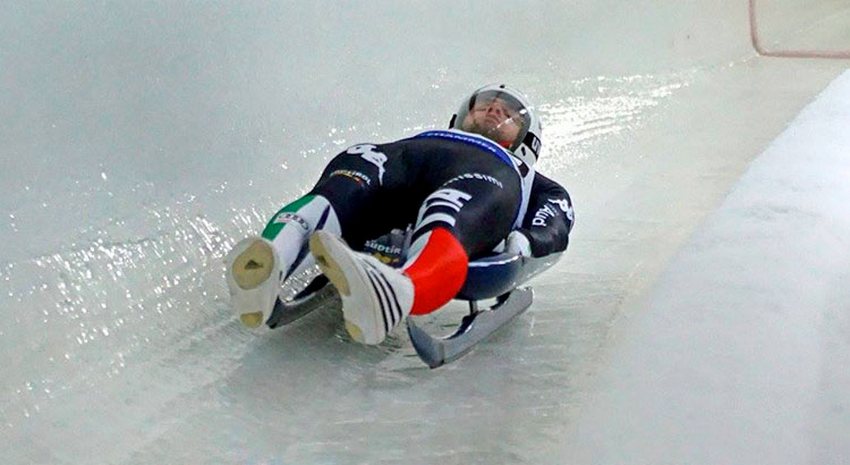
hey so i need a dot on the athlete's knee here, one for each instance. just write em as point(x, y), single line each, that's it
point(440, 209)
point(362, 163)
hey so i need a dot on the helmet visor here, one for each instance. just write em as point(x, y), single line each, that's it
point(496, 115)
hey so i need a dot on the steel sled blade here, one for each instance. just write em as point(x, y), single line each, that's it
point(474, 328)
point(316, 295)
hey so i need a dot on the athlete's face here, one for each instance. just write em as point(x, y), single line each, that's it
point(495, 119)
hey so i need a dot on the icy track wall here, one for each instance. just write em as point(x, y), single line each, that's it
point(123, 110)
point(139, 140)
point(743, 352)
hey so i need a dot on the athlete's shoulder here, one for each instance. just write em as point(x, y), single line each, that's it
point(545, 183)
point(458, 136)
point(443, 140)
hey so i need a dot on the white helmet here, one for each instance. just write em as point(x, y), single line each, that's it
point(517, 128)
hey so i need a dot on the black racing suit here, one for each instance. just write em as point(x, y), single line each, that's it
point(450, 179)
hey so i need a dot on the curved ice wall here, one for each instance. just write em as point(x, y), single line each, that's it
point(139, 140)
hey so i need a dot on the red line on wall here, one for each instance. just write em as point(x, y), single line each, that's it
point(759, 48)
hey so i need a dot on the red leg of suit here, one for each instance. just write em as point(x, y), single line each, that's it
point(438, 271)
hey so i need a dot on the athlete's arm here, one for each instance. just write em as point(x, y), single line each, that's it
point(549, 218)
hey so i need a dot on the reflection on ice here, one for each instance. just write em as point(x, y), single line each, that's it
point(596, 108)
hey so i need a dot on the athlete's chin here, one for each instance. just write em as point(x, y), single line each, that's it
point(492, 133)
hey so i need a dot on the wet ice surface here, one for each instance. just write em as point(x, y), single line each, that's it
point(129, 348)
point(138, 154)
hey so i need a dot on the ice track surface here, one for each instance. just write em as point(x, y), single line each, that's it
point(140, 141)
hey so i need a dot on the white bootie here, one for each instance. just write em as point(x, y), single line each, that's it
point(375, 297)
point(254, 279)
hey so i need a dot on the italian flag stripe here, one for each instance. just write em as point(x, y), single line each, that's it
point(274, 227)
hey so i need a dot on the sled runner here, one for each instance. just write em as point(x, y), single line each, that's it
point(497, 276)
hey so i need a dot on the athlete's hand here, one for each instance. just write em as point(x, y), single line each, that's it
point(517, 243)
